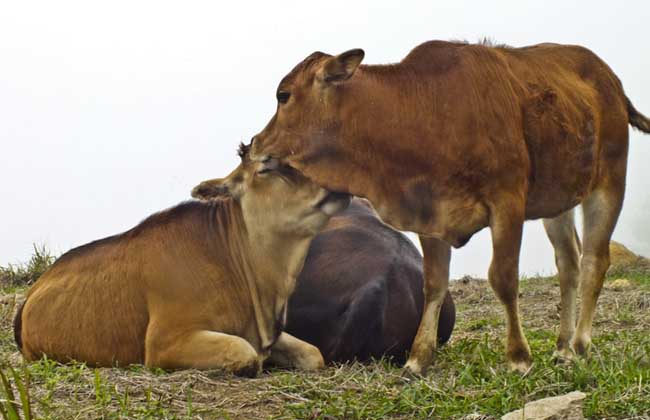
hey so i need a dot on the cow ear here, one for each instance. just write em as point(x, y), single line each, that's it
point(341, 67)
point(212, 188)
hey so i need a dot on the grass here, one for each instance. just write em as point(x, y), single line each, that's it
point(18, 275)
point(469, 376)
point(15, 401)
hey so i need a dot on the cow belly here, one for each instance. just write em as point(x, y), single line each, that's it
point(92, 326)
point(454, 219)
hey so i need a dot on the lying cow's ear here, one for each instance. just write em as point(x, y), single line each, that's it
point(212, 188)
point(342, 66)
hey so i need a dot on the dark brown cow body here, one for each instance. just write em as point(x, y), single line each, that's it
point(459, 137)
point(359, 295)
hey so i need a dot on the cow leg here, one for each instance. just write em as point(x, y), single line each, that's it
point(601, 210)
point(288, 351)
point(437, 255)
point(202, 350)
point(506, 226)
point(561, 232)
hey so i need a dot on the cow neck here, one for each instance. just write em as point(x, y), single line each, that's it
point(368, 149)
point(259, 261)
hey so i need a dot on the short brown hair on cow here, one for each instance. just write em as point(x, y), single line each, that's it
point(202, 285)
point(359, 295)
point(458, 137)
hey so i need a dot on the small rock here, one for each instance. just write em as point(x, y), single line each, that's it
point(619, 255)
point(619, 284)
point(563, 407)
point(623, 259)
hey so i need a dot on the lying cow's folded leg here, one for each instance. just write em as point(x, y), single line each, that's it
point(202, 350)
point(288, 351)
point(437, 255)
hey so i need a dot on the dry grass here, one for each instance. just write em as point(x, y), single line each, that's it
point(469, 376)
point(17, 275)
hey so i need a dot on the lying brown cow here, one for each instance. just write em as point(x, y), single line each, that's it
point(202, 285)
point(359, 295)
point(459, 137)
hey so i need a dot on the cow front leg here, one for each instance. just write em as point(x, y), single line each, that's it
point(437, 255)
point(202, 349)
point(288, 351)
point(506, 226)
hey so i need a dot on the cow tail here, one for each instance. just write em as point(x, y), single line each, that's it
point(637, 119)
point(18, 326)
point(362, 322)
point(578, 242)
point(447, 319)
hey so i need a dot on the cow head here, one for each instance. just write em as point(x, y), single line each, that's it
point(274, 196)
point(313, 101)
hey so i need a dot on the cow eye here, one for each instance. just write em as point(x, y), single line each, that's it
point(283, 96)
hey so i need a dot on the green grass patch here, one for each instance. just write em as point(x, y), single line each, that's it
point(14, 276)
point(485, 323)
point(470, 377)
point(469, 374)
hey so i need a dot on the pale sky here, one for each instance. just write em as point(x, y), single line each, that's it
point(110, 111)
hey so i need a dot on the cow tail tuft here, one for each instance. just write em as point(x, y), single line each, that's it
point(637, 119)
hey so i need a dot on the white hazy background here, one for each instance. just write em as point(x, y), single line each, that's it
point(110, 111)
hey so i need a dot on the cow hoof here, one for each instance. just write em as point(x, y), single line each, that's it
point(582, 346)
point(413, 369)
point(522, 367)
point(519, 358)
point(520, 361)
point(247, 372)
point(563, 356)
point(250, 370)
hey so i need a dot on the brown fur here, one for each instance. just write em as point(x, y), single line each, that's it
point(359, 295)
point(18, 326)
point(201, 285)
point(458, 137)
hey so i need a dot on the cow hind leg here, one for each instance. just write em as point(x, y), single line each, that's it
point(562, 234)
point(506, 226)
point(600, 210)
point(437, 255)
point(202, 349)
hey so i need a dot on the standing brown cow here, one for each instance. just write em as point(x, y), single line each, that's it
point(458, 137)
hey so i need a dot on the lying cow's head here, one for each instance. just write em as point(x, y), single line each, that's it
point(314, 101)
point(275, 196)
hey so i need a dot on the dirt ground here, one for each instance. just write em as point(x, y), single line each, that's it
point(80, 392)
